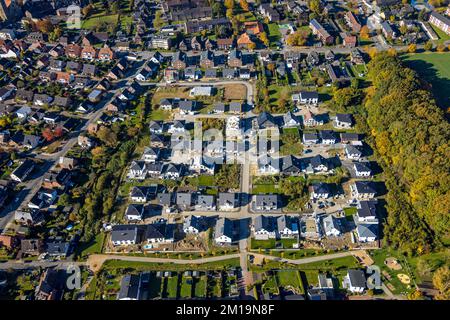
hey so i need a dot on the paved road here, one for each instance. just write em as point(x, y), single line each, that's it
point(18, 265)
point(307, 260)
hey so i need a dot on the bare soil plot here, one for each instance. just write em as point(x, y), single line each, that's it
point(170, 93)
point(235, 92)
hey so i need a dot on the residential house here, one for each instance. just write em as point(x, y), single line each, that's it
point(353, 152)
point(265, 202)
point(125, 235)
point(321, 32)
point(362, 169)
point(332, 226)
point(311, 120)
point(343, 121)
point(363, 190)
point(264, 227)
point(227, 201)
point(21, 173)
point(355, 281)
point(320, 190)
point(134, 212)
point(223, 233)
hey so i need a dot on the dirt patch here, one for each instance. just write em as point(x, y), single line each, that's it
point(405, 279)
point(170, 92)
point(235, 92)
point(392, 263)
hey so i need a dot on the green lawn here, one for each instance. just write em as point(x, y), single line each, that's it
point(172, 287)
point(264, 188)
point(200, 287)
point(146, 266)
point(291, 278)
point(263, 244)
point(434, 68)
point(159, 114)
point(349, 212)
point(441, 34)
point(274, 34)
point(186, 287)
point(95, 246)
point(94, 21)
point(290, 142)
point(206, 180)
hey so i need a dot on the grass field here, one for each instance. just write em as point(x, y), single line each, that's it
point(264, 188)
point(95, 246)
point(94, 21)
point(434, 68)
point(186, 287)
point(290, 278)
point(273, 34)
point(172, 287)
point(200, 287)
point(441, 34)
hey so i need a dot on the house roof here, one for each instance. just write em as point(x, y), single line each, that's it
point(367, 209)
point(357, 278)
point(224, 227)
point(124, 233)
point(226, 198)
point(129, 287)
point(365, 187)
point(344, 117)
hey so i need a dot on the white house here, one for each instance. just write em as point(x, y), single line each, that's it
point(306, 97)
point(223, 231)
point(134, 212)
point(355, 281)
point(367, 232)
point(331, 226)
point(362, 170)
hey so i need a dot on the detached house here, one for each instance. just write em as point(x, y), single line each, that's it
point(227, 201)
point(355, 281)
point(265, 202)
point(223, 233)
point(105, 54)
point(73, 51)
point(125, 235)
point(343, 121)
point(363, 190)
point(134, 212)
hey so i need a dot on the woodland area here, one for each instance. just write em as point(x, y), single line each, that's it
point(410, 135)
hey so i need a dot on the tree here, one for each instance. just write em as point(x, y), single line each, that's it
point(441, 281)
point(244, 5)
point(364, 33)
point(229, 4)
point(158, 21)
point(45, 26)
point(107, 136)
point(428, 46)
point(87, 10)
point(412, 48)
point(403, 29)
point(315, 6)
point(264, 39)
point(440, 48)
point(218, 9)
point(47, 134)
